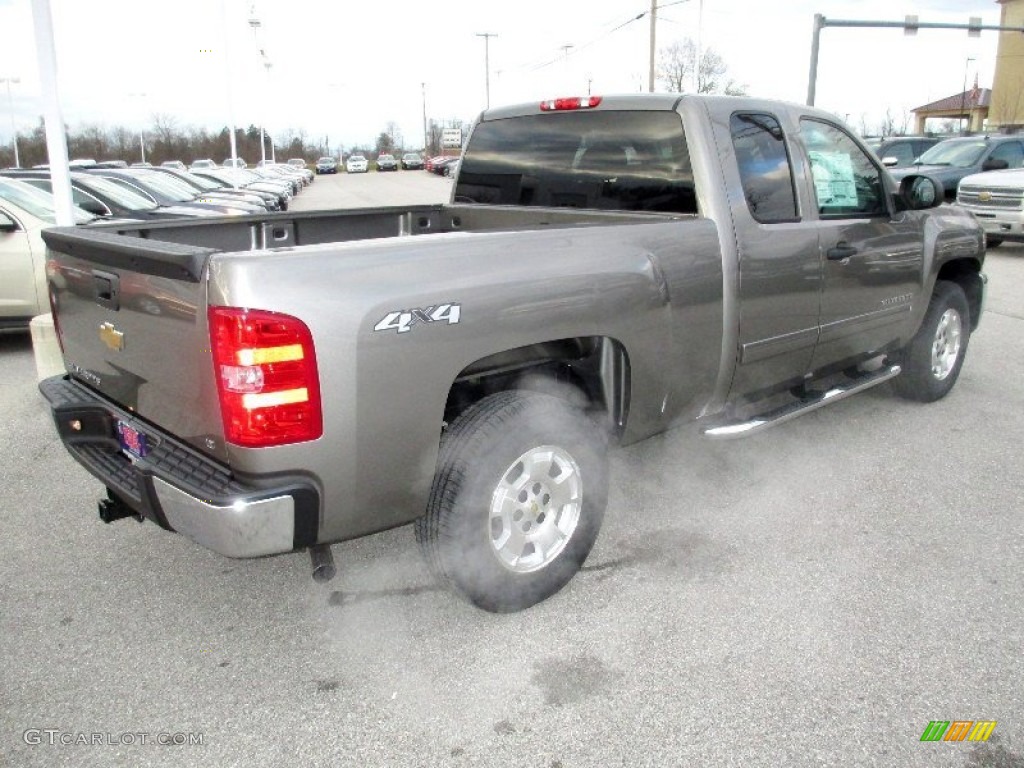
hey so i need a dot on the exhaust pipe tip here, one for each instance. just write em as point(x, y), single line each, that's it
point(323, 563)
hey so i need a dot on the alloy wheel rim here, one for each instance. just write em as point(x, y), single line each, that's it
point(535, 509)
point(946, 345)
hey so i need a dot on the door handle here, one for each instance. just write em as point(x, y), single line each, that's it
point(840, 251)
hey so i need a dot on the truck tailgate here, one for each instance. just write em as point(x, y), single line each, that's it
point(131, 314)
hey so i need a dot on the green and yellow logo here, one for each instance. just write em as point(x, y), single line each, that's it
point(958, 730)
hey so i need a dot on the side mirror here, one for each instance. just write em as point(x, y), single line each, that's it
point(919, 192)
point(994, 164)
point(7, 224)
point(890, 162)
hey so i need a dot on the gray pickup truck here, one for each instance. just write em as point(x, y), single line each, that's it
point(608, 268)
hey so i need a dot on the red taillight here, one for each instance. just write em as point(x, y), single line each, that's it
point(266, 377)
point(571, 102)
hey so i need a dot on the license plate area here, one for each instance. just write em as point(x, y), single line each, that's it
point(132, 441)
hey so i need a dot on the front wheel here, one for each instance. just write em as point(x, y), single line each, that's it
point(517, 501)
point(932, 360)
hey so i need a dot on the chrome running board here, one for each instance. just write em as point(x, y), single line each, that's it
point(761, 422)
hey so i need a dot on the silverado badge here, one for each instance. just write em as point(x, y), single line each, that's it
point(112, 337)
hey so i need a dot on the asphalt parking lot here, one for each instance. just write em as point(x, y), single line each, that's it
point(812, 596)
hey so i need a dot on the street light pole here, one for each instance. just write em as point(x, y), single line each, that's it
point(654, 24)
point(423, 89)
point(255, 23)
point(963, 93)
point(267, 65)
point(10, 104)
point(142, 131)
point(487, 62)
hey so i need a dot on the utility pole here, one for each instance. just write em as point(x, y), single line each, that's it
point(654, 19)
point(487, 62)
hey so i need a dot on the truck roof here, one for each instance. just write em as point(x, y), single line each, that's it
point(649, 102)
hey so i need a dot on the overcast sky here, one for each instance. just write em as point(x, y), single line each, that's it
point(346, 69)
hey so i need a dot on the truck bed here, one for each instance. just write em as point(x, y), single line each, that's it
point(284, 230)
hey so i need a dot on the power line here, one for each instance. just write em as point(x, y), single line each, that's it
point(599, 38)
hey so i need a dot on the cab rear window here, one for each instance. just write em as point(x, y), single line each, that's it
point(612, 160)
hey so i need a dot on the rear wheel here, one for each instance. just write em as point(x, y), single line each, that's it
point(517, 501)
point(932, 360)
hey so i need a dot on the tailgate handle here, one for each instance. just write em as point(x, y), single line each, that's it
point(106, 289)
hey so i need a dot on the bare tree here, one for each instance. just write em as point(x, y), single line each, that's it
point(888, 124)
point(385, 144)
point(676, 67)
point(165, 127)
point(904, 124)
point(394, 134)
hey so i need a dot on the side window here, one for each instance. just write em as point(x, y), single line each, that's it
point(846, 183)
point(765, 170)
point(1011, 152)
point(78, 197)
point(902, 151)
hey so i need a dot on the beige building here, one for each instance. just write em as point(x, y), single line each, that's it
point(1007, 108)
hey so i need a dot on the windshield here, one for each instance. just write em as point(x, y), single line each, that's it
point(118, 193)
point(326, 160)
point(411, 156)
point(959, 154)
point(193, 180)
point(175, 189)
point(36, 202)
point(238, 176)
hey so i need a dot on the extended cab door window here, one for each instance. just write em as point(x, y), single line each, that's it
point(846, 182)
point(611, 160)
point(779, 261)
point(765, 169)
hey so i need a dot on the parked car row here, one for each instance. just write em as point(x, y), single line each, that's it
point(111, 190)
point(442, 165)
point(358, 163)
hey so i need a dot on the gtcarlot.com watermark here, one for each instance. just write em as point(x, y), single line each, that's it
point(54, 737)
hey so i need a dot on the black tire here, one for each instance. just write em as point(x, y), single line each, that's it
point(461, 533)
point(993, 242)
point(930, 366)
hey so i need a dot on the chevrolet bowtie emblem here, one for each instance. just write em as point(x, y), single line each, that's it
point(985, 196)
point(112, 337)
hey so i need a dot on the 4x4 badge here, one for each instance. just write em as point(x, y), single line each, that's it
point(112, 337)
point(403, 320)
